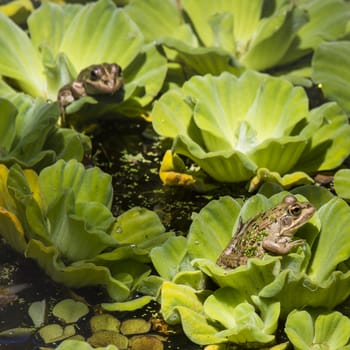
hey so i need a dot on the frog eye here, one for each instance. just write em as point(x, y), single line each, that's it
point(295, 210)
point(95, 74)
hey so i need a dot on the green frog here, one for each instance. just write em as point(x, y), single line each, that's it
point(95, 80)
point(268, 232)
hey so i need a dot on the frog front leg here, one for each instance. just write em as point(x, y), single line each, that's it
point(281, 247)
point(68, 94)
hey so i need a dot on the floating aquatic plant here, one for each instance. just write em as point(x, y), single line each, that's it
point(61, 218)
point(212, 37)
point(60, 46)
point(318, 274)
point(314, 331)
point(231, 127)
point(30, 137)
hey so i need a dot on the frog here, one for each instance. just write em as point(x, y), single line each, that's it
point(103, 79)
point(269, 232)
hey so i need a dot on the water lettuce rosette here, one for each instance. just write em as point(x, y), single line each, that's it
point(252, 298)
point(202, 37)
point(29, 135)
point(313, 331)
point(66, 39)
point(61, 218)
point(231, 127)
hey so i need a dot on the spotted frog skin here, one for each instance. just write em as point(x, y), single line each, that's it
point(95, 80)
point(268, 232)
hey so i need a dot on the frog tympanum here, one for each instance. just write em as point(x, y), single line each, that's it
point(95, 80)
point(269, 232)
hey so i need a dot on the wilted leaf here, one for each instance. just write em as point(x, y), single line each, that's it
point(37, 312)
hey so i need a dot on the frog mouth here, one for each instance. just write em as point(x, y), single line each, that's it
point(119, 83)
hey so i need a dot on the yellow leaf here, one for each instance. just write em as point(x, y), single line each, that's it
point(172, 171)
point(11, 229)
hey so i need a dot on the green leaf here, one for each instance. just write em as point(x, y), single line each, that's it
point(201, 60)
point(175, 295)
point(327, 20)
point(245, 16)
point(7, 126)
point(167, 259)
point(342, 183)
point(19, 60)
point(334, 216)
point(257, 38)
point(111, 25)
point(243, 325)
point(328, 132)
point(159, 18)
point(48, 23)
point(138, 226)
point(208, 236)
point(198, 328)
point(27, 124)
point(273, 37)
point(74, 236)
point(37, 312)
point(77, 276)
point(323, 330)
point(69, 310)
point(55, 332)
point(299, 328)
point(329, 65)
point(130, 305)
point(69, 144)
point(316, 195)
point(87, 185)
point(288, 283)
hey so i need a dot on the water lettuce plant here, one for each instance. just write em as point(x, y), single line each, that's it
point(30, 137)
point(232, 126)
point(212, 37)
point(314, 331)
point(60, 46)
point(263, 291)
point(61, 218)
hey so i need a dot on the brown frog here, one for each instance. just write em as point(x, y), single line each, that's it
point(268, 232)
point(95, 80)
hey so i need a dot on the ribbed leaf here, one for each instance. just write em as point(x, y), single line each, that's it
point(19, 60)
point(330, 68)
